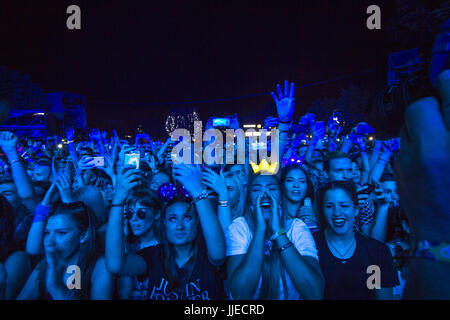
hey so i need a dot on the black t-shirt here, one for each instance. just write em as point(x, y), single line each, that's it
point(349, 280)
point(205, 282)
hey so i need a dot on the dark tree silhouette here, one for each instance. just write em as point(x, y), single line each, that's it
point(20, 92)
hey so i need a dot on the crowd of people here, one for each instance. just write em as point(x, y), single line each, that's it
point(77, 221)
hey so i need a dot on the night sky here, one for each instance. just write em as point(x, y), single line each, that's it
point(133, 57)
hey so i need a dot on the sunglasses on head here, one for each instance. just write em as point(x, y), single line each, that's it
point(140, 213)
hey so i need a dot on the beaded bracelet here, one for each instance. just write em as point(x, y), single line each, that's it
point(116, 205)
point(201, 196)
point(277, 234)
point(287, 245)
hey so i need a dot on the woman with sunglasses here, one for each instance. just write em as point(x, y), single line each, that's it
point(142, 214)
point(70, 269)
point(348, 258)
point(186, 263)
point(271, 257)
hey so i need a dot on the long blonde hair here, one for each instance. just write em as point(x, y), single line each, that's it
point(273, 268)
point(239, 210)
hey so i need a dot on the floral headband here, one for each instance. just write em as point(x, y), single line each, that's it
point(168, 191)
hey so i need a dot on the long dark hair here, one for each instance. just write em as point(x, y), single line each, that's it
point(347, 186)
point(169, 252)
point(85, 220)
point(273, 268)
point(6, 228)
point(309, 186)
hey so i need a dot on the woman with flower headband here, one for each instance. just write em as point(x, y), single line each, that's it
point(186, 263)
point(269, 256)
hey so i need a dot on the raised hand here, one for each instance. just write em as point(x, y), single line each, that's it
point(309, 119)
point(109, 167)
point(95, 134)
point(64, 185)
point(216, 182)
point(260, 221)
point(318, 130)
point(190, 176)
point(275, 224)
point(127, 179)
point(285, 102)
point(8, 142)
point(271, 122)
point(334, 128)
point(392, 145)
point(85, 163)
point(70, 134)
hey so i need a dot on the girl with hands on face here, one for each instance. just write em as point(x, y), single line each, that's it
point(268, 258)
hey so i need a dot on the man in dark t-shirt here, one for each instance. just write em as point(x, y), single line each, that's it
point(348, 278)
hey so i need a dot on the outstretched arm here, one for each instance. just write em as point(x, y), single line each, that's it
point(117, 261)
point(285, 109)
point(8, 142)
point(191, 178)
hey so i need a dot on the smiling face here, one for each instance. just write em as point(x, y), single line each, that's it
point(295, 185)
point(339, 211)
point(62, 236)
point(180, 224)
point(145, 225)
point(265, 183)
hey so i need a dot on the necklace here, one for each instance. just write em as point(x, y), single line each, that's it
point(338, 252)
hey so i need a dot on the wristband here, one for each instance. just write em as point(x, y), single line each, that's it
point(277, 234)
point(287, 245)
point(433, 250)
point(224, 203)
point(41, 212)
point(201, 196)
point(285, 122)
point(15, 161)
point(117, 205)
